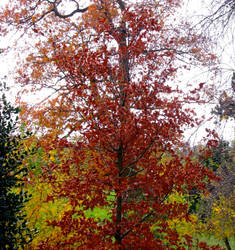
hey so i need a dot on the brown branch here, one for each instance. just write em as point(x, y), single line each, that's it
point(58, 14)
point(121, 4)
point(139, 156)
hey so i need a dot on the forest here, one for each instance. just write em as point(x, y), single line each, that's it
point(95, 151)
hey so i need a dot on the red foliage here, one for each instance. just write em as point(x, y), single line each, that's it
point(115, 70)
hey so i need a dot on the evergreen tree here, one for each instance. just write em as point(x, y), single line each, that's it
point(13, 226)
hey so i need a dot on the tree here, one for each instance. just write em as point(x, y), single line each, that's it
point(219, 205)
point(217, 209)
point(13, 226)
point(222, 14)
point(226, 106)
point(118, 112)
point(218, 23)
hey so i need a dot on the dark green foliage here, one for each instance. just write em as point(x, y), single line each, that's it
point(219, 155)
point(218, 162)
point(222, 163)
point(13, 227)
point(194, 198)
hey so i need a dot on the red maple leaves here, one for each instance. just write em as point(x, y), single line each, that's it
point(123, 122)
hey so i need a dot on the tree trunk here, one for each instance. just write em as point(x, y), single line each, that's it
point(226, 241)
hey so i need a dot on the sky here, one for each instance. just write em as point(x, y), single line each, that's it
point(225, 50)
point(193, 10)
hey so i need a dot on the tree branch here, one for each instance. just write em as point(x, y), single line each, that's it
point(139, 157)
point(58, 14)
point(121, 4)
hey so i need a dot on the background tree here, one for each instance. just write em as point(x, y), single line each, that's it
point(217, 209)
point(226, 106)
point(215, 19)
point(119, 111)
point(13, 226)
point(222, 14)
point(219, 23)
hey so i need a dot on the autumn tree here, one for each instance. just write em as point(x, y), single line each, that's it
point(115, 105)
point(14, 232)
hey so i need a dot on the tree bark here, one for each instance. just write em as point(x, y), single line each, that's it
point(119, 198)
point(226, 241)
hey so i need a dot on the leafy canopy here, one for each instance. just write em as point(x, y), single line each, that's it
point(117, 110)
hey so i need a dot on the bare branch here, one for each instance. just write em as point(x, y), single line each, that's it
point(56, 3)
point(121, 4)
